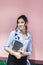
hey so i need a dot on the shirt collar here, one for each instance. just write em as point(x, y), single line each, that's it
point(21, 33)
point(27, 35)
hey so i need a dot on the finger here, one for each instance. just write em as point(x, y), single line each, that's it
point(21, 48)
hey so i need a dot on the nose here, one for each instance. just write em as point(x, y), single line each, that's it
point(19, 24)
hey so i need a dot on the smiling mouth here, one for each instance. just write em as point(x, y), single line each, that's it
point(20, 26)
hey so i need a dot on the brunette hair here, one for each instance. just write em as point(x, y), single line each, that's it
point(25, 20)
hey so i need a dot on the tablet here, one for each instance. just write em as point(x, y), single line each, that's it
point(17, 45)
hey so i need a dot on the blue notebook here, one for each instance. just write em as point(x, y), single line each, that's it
point(17, 45)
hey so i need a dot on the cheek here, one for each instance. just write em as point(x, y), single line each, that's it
point(23, 24)
point(20, 24)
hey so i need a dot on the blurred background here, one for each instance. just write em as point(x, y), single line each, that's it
point(33, 9)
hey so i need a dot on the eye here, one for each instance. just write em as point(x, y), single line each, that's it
point(22, 21)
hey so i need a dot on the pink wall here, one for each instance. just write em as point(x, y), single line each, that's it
point(33, 9)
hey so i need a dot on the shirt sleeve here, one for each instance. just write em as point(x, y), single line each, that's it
point(29, 48)
point(10, 40)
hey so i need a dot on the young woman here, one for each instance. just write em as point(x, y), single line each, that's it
point(22, 35)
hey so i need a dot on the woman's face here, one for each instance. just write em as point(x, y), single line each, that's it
point(21, 24)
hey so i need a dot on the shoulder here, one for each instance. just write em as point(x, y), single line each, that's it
point(29, 35)
point(14, 32)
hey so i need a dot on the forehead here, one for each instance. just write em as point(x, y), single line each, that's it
point(20, 20)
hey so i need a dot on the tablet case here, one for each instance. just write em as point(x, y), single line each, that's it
point(17, 45)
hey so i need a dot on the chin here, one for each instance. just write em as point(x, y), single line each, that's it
point(20, 28)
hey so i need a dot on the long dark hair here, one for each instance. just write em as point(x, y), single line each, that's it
point(25, 20)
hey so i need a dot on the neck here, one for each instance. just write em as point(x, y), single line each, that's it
point(24, 32)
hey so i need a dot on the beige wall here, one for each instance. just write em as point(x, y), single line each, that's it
point(33, 9)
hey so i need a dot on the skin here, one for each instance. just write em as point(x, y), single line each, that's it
point(21, 25)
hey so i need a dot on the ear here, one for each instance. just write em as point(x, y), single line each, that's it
point(26, 23)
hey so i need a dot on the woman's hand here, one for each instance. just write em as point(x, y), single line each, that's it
point(24, 53)
point(17, 55)
point(21, 50)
